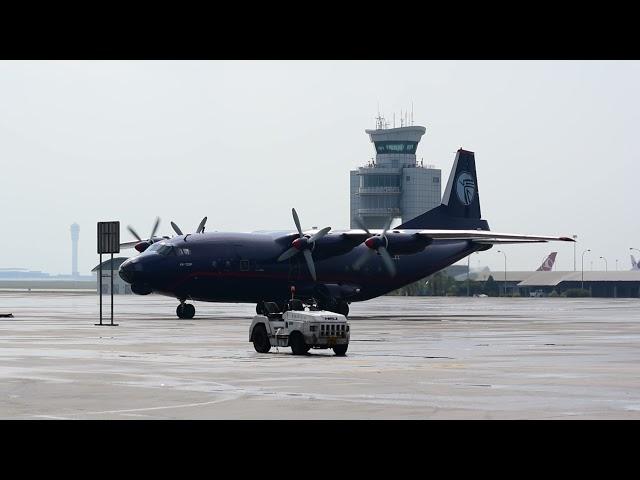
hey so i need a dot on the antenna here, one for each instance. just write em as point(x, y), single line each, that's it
point(412, 113)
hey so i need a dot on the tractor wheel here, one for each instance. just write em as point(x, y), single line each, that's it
point(297, 344)
point(261, 339)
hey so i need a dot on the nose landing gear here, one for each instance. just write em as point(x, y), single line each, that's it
point(185, 310)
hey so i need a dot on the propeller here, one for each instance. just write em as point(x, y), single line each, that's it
point(200, 228)
point(304, 244)
point(376, 244)
point(142, 245)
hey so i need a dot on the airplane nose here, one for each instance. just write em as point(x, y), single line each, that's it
point(127, 271)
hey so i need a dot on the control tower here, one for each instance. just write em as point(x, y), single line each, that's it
point(394, 184)
point(75, 235)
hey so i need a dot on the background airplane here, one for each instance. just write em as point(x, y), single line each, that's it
point(547, 263)
point(634, 264)
point(332, 268)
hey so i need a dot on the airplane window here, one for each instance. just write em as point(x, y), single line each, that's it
point(166, 250)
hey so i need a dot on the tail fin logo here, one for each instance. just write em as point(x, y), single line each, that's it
point(465, 188)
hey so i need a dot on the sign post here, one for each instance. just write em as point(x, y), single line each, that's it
point(108, 242)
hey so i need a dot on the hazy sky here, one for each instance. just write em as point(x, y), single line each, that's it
point(244, 141)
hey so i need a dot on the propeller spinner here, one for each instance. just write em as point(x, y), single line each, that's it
point(142, 245)
point(304, 244)
point(376, 244)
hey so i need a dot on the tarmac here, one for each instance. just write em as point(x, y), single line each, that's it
point(409, 358)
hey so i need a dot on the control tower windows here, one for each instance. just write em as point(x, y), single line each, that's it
point(379, 201)
point(396, 147)
point(380, 181)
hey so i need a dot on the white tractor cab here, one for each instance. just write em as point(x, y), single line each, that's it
point(299, 328)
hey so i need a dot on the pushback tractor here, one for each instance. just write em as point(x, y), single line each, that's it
point(299, 328)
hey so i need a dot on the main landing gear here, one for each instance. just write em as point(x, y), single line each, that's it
point(185, 310)
point(340, 307)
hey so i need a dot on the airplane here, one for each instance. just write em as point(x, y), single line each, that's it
point(634, 264)
point(547, 263)
point(319, 266)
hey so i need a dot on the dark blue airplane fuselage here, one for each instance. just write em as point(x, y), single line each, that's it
point(243, 267)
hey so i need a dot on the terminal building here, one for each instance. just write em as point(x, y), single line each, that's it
point(617, 284)
point(395, 184)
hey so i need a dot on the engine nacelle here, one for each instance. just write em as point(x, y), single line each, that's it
point(406, 243)
point(334, 245)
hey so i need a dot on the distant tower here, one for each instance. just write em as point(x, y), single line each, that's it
point(75, 234)
point(395, 184)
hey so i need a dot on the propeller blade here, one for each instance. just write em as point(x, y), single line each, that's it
point(288, 254)
point(201, 226)
point(388, 261)
point(310, 265)
point(297, 220)
point(360, 223)
point(320, 234)
point(155, 228)
point(128, 244)
point(362, 259)
point(387, 226)
point(134, 233)
point(176, 228)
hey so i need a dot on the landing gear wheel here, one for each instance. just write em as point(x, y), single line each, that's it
point(296, 342)
point(261, 339)
point(185, 310)
point(340, 350)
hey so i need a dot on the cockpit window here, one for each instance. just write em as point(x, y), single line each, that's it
point(154, 247)
point(166, 250)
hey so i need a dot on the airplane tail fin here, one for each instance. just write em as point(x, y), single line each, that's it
point(547, 264)
point(460, 207)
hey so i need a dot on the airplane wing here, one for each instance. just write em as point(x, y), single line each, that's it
point(507, 242)
point(488, 237)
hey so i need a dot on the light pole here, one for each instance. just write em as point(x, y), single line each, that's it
point(505, 271)
point(616, 264)
point(583, 267)
point(606, 267)
point(575, 240)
